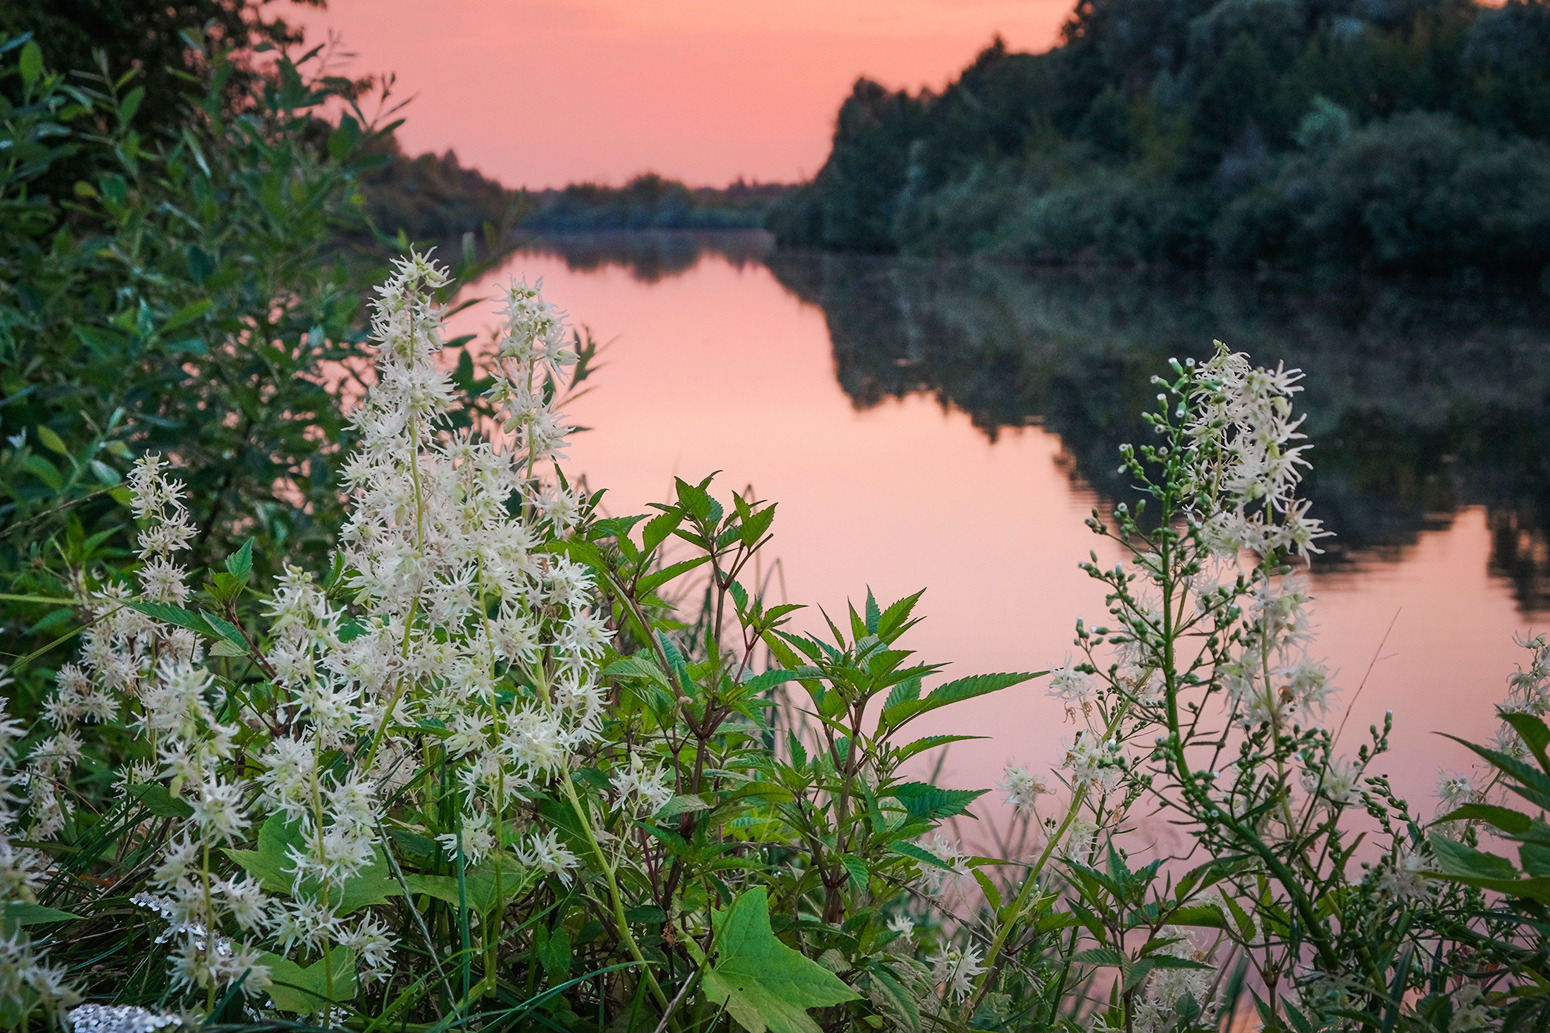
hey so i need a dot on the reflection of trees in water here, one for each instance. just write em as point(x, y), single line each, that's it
point(1419, 400)
point(652, 255)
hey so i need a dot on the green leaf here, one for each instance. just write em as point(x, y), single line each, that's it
point(1504, 818)
point(924, 800)
point(154, 797)
point(992, 894)
point(763, 983)
point(637, 666)
point(659, 527)
point(1532, 730)
point(44, 471)
point(754, 528)
point(930, 742)
point(22, 913)
point(1459, 863)
point(479, 885)
point(855, 867)
point(342, 141)
point(651, 582)
point(240, 564)
point(52, 441)
point(169, 614)
point(31, 64)
point(1104, 956)
point(307, 990)
point(682, 805)
point(226, 630)
point(130, 105)
point(953, 692)
point(554, 953)
point(1203, 916)
point(272, 866)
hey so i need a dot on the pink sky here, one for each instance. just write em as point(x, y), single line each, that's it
point(544, 92)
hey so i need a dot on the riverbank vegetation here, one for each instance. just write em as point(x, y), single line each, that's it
point(650, 202)
point(331, 701)
point(497, 761)
point(1406, 135)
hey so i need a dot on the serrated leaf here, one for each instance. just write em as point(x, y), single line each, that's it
point(1103, 956)
point(220, 647)
point(240, 564)
point(225, 629)
point(659, 527)
point(763, 983)
point(855, 867)
point(779, 676)
point(636, 667)
point(169, 614)
point(651, 582)
point(894, 1000)
point(682, 805)
point(930, 742)
point(926, 801)
point(1203, 916)
point(1504, 818)
point(992, 894)
point(953, 692)
point(756, 526)
point(916, 853)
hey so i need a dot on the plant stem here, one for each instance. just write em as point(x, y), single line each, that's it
point(615, 897)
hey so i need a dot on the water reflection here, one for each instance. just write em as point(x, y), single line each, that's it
point(1421, 402)
point(863, 397)
point(652, 255)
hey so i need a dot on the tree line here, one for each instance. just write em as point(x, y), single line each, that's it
point(1378, 134)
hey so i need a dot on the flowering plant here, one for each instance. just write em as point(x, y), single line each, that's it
point(481, 769)
point(491, 770)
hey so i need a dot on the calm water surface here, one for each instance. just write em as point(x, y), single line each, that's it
point(950, 429)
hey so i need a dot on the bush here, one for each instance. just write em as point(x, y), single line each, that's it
point(1417, 191)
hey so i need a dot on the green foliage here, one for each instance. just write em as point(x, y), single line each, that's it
point(433, 198)
point(648, 202)
point(763, 983)
point(1212, 132)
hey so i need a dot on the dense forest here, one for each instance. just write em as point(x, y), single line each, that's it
point(650, 202)
point(1378, 134)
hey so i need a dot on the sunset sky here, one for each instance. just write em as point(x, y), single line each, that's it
point(544, 92)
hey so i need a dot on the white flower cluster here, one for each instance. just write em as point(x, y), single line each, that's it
point(455, 617)
point(1243, 436)
point(953, 970)
point(1159, 1009)
point(1022, 787)
point(23, 966)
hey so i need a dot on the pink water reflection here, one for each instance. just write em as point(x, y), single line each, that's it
point(722, 369)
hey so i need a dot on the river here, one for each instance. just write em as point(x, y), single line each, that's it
point(950, 428)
